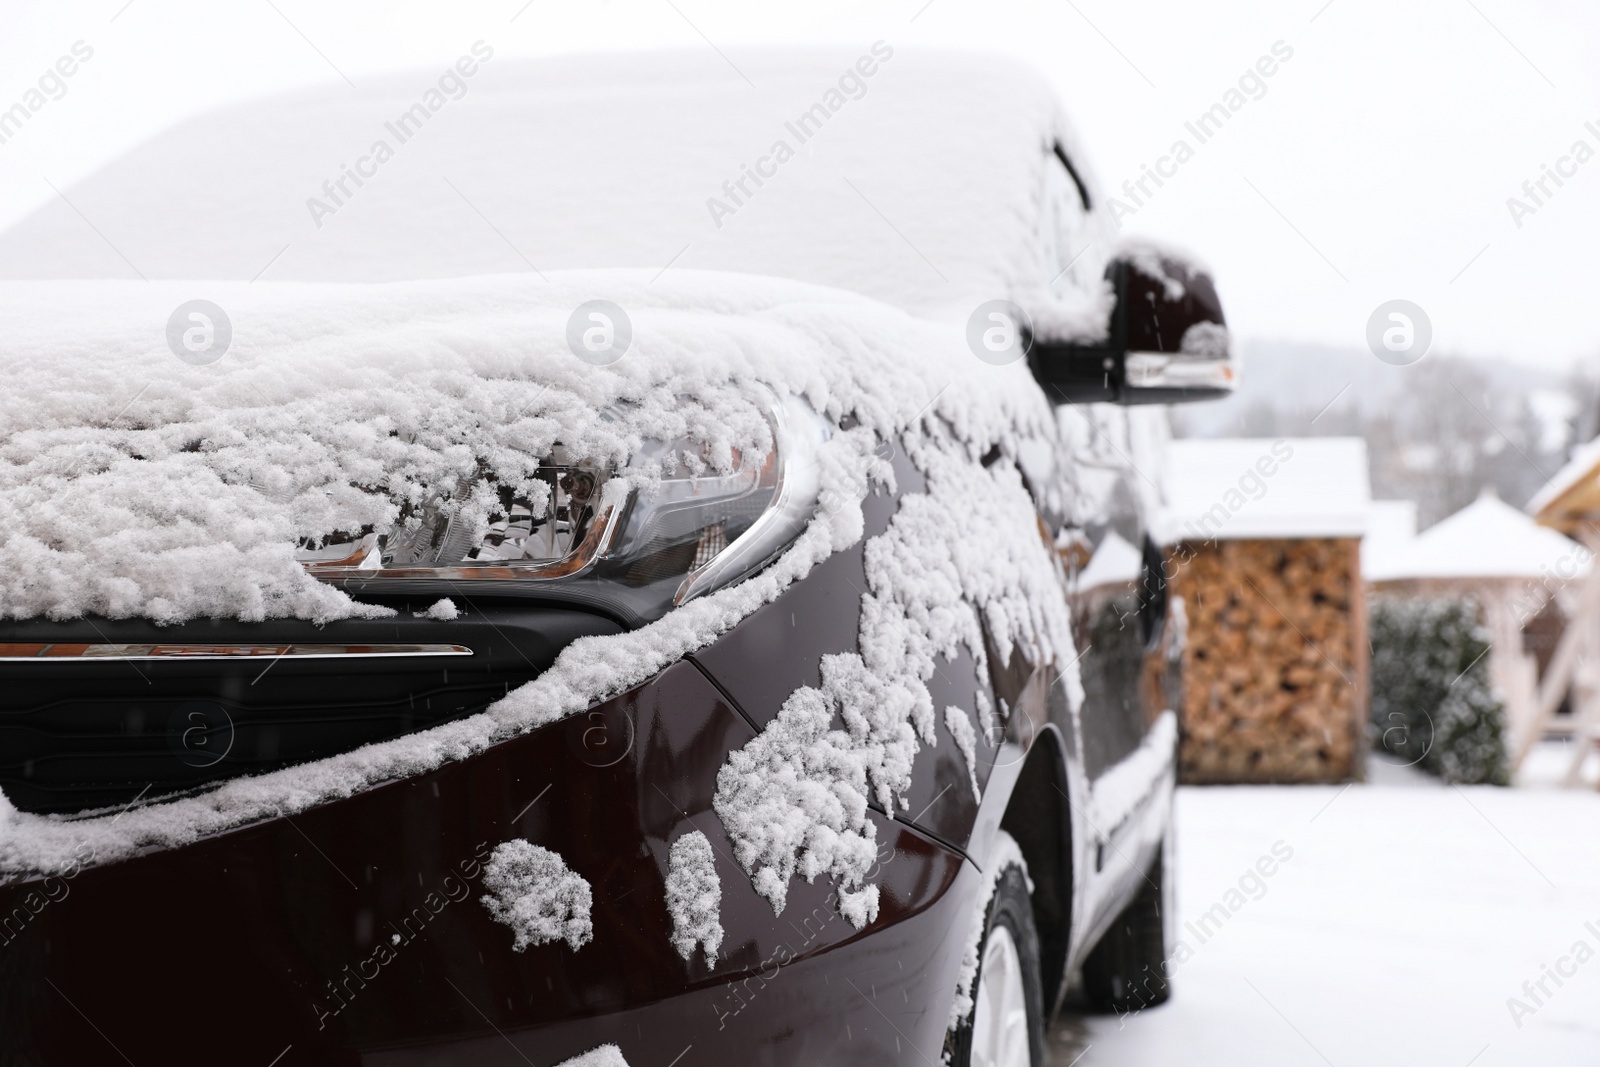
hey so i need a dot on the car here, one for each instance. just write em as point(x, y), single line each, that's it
point(634, 559)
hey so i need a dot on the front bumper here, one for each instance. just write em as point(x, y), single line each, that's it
point(353, 932)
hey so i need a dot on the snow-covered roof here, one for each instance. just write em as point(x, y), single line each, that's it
point(1391, 526)
point(1486, 539)
point(1115, 561)
point(922, 184)
point(1574, 493)
point(1239, 488)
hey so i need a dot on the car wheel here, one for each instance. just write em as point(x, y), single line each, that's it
point(1127, 970)
point(1006, 1027)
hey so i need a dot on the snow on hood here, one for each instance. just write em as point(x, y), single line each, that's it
point(133, 483)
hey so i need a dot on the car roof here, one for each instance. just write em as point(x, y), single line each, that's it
point(918, 184)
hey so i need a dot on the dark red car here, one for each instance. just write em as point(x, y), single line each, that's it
point(610, 564)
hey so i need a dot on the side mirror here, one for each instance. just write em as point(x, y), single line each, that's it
point(1168, 342)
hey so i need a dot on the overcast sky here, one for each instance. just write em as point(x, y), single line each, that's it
point(1376, 164)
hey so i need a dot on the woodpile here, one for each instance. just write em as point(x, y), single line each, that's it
point(1274, 666)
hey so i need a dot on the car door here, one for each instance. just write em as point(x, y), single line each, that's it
point(1116, 588)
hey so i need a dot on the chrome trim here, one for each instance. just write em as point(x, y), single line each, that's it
point(797, 433)
point(42, 652)
point(595, 544)
point(1181, 370)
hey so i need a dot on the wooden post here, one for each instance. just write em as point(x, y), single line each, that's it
point(1361, 655)
point(1564, 663)
point(1586, 728)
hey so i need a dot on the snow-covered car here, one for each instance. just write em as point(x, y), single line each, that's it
point(602, 560)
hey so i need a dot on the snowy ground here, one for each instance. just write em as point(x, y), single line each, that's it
point(1407, 916)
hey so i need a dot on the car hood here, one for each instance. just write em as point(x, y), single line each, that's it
point(140, 478)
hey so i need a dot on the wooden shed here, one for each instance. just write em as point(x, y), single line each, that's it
point(1571, 503)
point(1516, 570)
point(1263, 540)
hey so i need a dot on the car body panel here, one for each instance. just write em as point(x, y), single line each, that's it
point(81, 734)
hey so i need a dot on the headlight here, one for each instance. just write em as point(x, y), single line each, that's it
point(633, 544)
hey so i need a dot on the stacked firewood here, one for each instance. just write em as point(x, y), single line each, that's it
point(1274, 666)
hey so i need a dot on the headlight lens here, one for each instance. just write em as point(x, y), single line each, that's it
point(612, 539)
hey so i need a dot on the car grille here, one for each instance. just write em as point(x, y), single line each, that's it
point(90, 734)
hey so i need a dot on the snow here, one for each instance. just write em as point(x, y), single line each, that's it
point(1118, 792)
point(1007, 853)
point(335, 407)
point(1582, 470)
point(694, 895)
point(1395, 934)
point(936, 226)
point(1486, 539)
point(1549, 761)
point(443, 609)
point(604, 1056)
point(1151, 255)
point(1391, 525)
point(1236, 488)
point(532, 891)
point(960, 726)
point(794, 799)
point(1555, 411)
point(1115, 561)
point(859, 907)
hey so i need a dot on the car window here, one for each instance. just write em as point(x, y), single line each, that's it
point(1114, 579)
point(1063, 226)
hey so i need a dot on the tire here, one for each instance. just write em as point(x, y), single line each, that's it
point(1008, 973)
point(1127, 971)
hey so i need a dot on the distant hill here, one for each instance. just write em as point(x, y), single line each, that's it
point(1436, 431)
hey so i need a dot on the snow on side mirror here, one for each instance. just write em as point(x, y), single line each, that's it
point(1168, 341)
